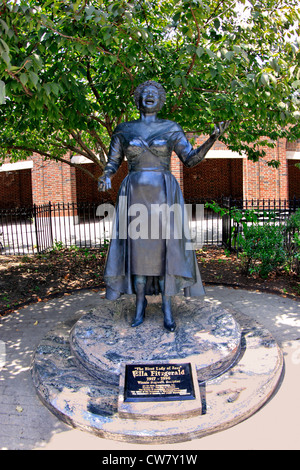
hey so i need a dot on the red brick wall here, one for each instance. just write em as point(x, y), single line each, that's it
point(52, 181)
point(293, 146)
point(15, 189)
point(242, 177)
point(57, 182)
point(87, 188)
point(264, 182)
point(214, 178)
point(176, 168)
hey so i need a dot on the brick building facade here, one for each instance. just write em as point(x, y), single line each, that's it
point(222, 173)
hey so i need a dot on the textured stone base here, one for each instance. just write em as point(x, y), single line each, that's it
point(103, 340)
point(77, 367)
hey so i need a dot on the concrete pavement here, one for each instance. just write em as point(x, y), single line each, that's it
point(25, 423)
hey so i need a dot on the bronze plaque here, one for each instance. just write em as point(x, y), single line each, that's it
point(158, 382)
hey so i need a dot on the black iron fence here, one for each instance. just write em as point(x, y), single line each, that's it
point(37, 229)
point(238, 211)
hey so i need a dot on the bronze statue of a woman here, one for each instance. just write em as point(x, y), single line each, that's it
point(151, 264)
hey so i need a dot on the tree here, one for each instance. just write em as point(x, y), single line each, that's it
point(69, 69)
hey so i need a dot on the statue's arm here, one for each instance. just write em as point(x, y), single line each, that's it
point(114, 160)
point(191, 157)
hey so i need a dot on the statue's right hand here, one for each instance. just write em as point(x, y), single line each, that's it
point(104, 183)
point(220, 128)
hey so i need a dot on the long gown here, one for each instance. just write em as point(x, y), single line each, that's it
point(140, 246)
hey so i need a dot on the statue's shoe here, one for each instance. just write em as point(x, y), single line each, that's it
point(170, 326)
point(138, 320)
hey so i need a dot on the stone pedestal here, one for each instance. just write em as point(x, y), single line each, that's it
point(79, 370)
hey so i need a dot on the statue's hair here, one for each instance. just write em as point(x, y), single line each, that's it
point(140, 88)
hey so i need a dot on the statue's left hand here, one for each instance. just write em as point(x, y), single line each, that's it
point(104, 183)
point(220, 128)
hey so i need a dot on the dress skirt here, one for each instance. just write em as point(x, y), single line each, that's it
point(150, 237)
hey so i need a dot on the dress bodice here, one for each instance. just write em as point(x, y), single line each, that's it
point(146, 150)
point(144, 154)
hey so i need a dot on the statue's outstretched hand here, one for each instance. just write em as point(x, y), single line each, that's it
point(104, 183)
point(220, 128)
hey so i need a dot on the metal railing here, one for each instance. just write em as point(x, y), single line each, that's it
point(37, 229)
point(40, 228)
point(275, 211)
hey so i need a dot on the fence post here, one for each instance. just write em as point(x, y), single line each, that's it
point(226, 223)
point(50, 223)
point(36, 228)
point(229, 224)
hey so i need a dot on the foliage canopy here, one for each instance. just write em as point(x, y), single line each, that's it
point(69, 70)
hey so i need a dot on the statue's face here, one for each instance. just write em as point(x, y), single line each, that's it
point(149, 100)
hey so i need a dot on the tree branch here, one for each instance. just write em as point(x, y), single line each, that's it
point(68, 147)
point(95, 118)
point(92, 85)
point(209, 19)
point(52, 157)
point(87, 42)
point(15, 77)
point(80, 167)
point(90, 154)
point(99, 141)
point(183, 89)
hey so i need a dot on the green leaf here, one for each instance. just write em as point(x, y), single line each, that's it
point(229, 55)
point(2, 92)
point(34, 78)
point(217, 23)
point(211, 54)
point(199, 51)
point(37, 59)
point(184, 81)
point(4, 25)
point(5, 46)
point(177, 81)
point(24, 78)
point(176, 17)
point(6, 58)
point(47, 88)
point(55, 88)
point(264, 78)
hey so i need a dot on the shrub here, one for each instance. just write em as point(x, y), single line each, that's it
point(292, 235)
point(263, 249)
point(263, 246)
